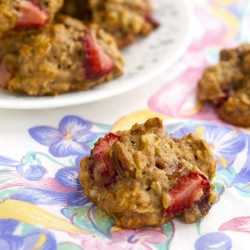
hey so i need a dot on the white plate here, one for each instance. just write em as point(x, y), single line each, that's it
point(144, 60)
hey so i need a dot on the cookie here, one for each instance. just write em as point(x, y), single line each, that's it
point(26, 16)
point(227, 85)
point(144, 177)
point(125, 19)
point(66, 56)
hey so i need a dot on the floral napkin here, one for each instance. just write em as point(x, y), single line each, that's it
point(43, 206)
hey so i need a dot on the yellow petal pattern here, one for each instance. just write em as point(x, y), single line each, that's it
point(31, 214)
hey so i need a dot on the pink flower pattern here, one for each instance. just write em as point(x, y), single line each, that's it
point(125, 240)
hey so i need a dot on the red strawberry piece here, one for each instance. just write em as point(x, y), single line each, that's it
point(218, 102)
point(97, 62)
point(31, 16)
point(151, 20)
point(187, 192)
point(102, 167)
point(5, 76)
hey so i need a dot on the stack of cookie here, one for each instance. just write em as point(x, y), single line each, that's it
point(43, 52)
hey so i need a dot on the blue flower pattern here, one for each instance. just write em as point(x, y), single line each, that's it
point(68, 177)
point(70, 138)
point(31, 172)
point(10, 241)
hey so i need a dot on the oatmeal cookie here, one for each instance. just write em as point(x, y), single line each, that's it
point(65, 56)
point(227, 85)
point(22, 16)
point(144, 177)
point(124, 19)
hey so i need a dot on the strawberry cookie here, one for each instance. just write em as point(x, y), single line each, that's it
point(65, 56)
point(18, 16)
point(144, 177)
point(124, 19)
point(227, 85)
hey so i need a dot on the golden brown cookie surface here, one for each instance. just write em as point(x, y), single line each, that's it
point(227, 85)
point(124, 19)
point(143, 177)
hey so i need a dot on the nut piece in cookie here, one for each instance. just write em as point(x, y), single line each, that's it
point(227, 85)
point(144, 177)
point(66, 56)
point(124, 19)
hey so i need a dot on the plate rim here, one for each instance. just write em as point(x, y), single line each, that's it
point(31, 104)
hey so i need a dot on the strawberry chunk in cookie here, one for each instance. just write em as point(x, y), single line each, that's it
point(31, 16)
point(24, 17)
point(96, 62)
point(102, 168)
point(5, 76)
point(189, 190)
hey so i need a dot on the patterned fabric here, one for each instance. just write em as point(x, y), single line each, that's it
point(42, 205)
